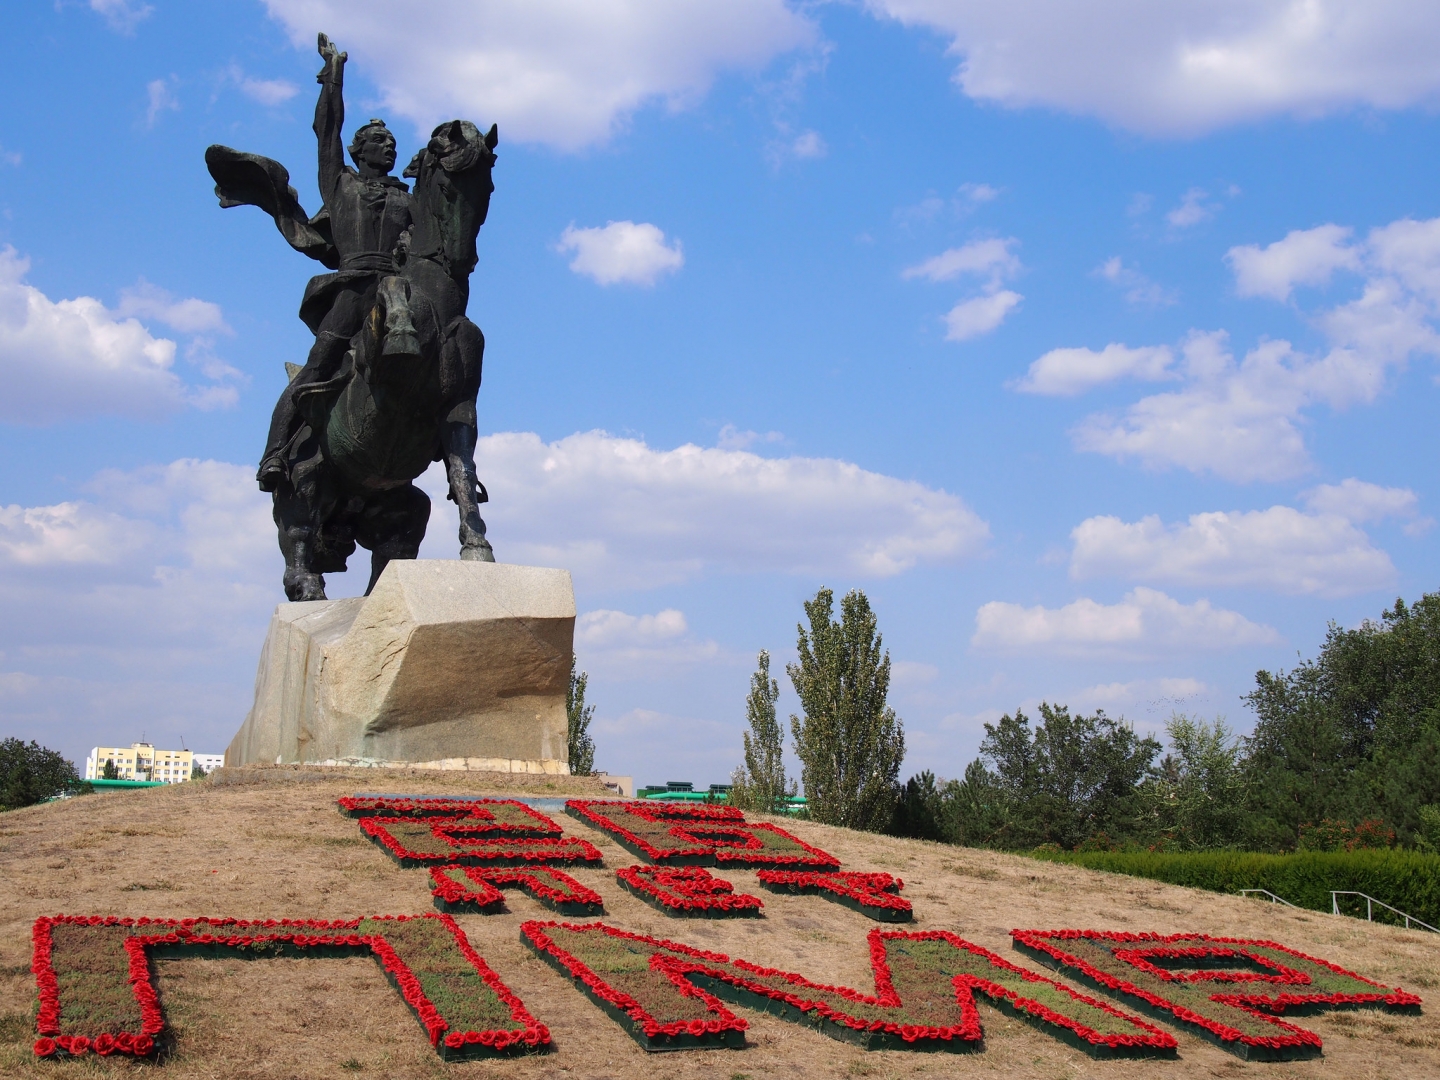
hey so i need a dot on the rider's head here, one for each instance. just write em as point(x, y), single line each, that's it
point(373, 149)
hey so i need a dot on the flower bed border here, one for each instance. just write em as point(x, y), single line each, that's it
point(482, 895)
point(178, 939)
point(414, 807)
point(877, 901)
point(674, 899)
point(507, 851)
point(1297, 1042)
point(725, 1032)
point(700, 854)
point(717, 986)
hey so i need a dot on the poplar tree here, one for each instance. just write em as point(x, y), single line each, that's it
point(760, 783)
point(850, 743)
point(580, 746)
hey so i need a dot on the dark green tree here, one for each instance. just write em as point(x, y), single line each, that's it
point(919, 812)
point(850, 743)
point(580, 747)
point(1073, 779)
point(760, 784)
point(1352, 734)
point(111, 770)
point(30, 774)
point(975, 811)
point(197, 772)
point(1199, 791)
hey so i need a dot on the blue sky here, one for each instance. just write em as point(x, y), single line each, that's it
point(1097, 347)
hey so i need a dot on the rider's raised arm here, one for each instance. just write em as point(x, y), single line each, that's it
point(330, 116)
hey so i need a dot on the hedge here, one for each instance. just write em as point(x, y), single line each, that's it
point(1407, 880)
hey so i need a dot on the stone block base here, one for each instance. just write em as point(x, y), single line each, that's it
point(447, 664)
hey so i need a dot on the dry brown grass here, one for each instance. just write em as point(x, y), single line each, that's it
point(278, 848)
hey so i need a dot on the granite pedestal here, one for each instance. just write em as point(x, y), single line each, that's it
point(447, 664)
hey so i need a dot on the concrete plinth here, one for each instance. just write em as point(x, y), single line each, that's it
point(460, 665)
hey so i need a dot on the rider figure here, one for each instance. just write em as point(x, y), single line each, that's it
point(369, 212)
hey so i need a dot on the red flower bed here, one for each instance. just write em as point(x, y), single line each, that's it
point(502, 817)
point(690, 891)
point(687, 834)
point(662, 991)
point(109, 1003)
point(476, 889)
point(1168, 975)
point(464, 842)
point(870, 894)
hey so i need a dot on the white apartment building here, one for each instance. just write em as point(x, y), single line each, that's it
point(141, 761)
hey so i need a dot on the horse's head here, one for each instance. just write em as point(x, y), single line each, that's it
point(452, 194)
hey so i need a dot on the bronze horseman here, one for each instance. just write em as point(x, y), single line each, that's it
point(391, 381)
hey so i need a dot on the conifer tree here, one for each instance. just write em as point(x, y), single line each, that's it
point(579, 745)
point(760, 783)
point(850, 743)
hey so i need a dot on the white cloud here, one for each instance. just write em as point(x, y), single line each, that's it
point(1188, 66)
point(621, 514)
point(621, 645)
point(188, 316)
point(984, 258)
point(1066, 372)
point(1242, 420)
point(732, 438)
point(609, 629)
point(1408, 251)
point(1192, 209)
point(1139, 289)
point(1164, 692)
point(809, 144)
point(911, 673)
point(71, 359)
point(1144, 622)
point(11, 157)
point(122, 15)
point(161, 99)
point(270, 92)
point(68, 533)
point(1358, 501)
point(1280, 549)
point(622, 251)
point(992, 259)
point(562, 72)
point(979, 315)
point(1304, 257)
point(979, 193)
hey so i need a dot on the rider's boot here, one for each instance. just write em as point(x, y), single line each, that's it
point(322, 363)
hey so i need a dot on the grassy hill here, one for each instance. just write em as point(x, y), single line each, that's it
point(268, 843)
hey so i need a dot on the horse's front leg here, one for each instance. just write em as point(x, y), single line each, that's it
point(458, 436)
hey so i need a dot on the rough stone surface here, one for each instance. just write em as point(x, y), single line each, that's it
point(455, 665)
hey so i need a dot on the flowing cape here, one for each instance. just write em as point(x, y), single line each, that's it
point(251, 180)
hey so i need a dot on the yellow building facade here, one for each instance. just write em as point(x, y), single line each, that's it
point(140, 761)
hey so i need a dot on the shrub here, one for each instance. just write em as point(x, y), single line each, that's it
point(1408, 880)
point(30, 774)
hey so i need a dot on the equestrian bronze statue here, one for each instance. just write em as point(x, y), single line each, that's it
point(391, 381)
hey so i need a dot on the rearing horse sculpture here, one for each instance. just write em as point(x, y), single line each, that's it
point(391, 383)
point(405, 395)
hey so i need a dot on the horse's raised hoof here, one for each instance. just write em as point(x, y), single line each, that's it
point(481, 552)
point(303, 585)
point(400, 343)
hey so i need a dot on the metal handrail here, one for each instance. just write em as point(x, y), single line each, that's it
point(1370, 903)
point(1273, 898)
